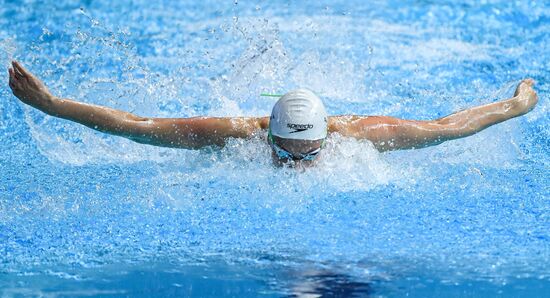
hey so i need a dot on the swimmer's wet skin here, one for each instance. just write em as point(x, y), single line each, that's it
point(296, 130)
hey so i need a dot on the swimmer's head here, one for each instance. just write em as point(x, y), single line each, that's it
point(298, 125)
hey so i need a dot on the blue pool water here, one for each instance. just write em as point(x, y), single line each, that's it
point(87, 214)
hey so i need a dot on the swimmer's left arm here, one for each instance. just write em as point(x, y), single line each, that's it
point(388, 133)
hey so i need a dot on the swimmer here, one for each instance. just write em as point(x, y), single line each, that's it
point(296, 130)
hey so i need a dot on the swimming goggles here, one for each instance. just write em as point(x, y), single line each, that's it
point(284, 154)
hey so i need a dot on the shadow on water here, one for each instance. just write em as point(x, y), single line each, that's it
point(328, 284)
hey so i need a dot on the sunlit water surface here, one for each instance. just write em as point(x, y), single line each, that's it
point(83, 213)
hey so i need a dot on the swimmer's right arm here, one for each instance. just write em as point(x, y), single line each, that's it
point(189, 133)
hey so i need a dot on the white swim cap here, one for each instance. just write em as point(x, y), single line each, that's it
point(299, 115)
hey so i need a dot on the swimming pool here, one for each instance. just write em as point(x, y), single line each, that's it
point(83, 214)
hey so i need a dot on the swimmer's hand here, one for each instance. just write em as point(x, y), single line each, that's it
point(525, 98)
point(28, 88)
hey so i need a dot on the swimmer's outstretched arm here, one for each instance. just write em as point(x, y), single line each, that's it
point(190, 133)
point(388, 133)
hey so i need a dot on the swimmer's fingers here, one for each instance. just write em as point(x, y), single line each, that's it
point(24, 75)
point(525, 82)
point(19, 81)
point(20, 71)
point(529, 82)
point(13, 80)
point(27, 76)
point(15, 84)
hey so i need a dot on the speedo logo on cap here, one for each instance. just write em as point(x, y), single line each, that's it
point(299, 127)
